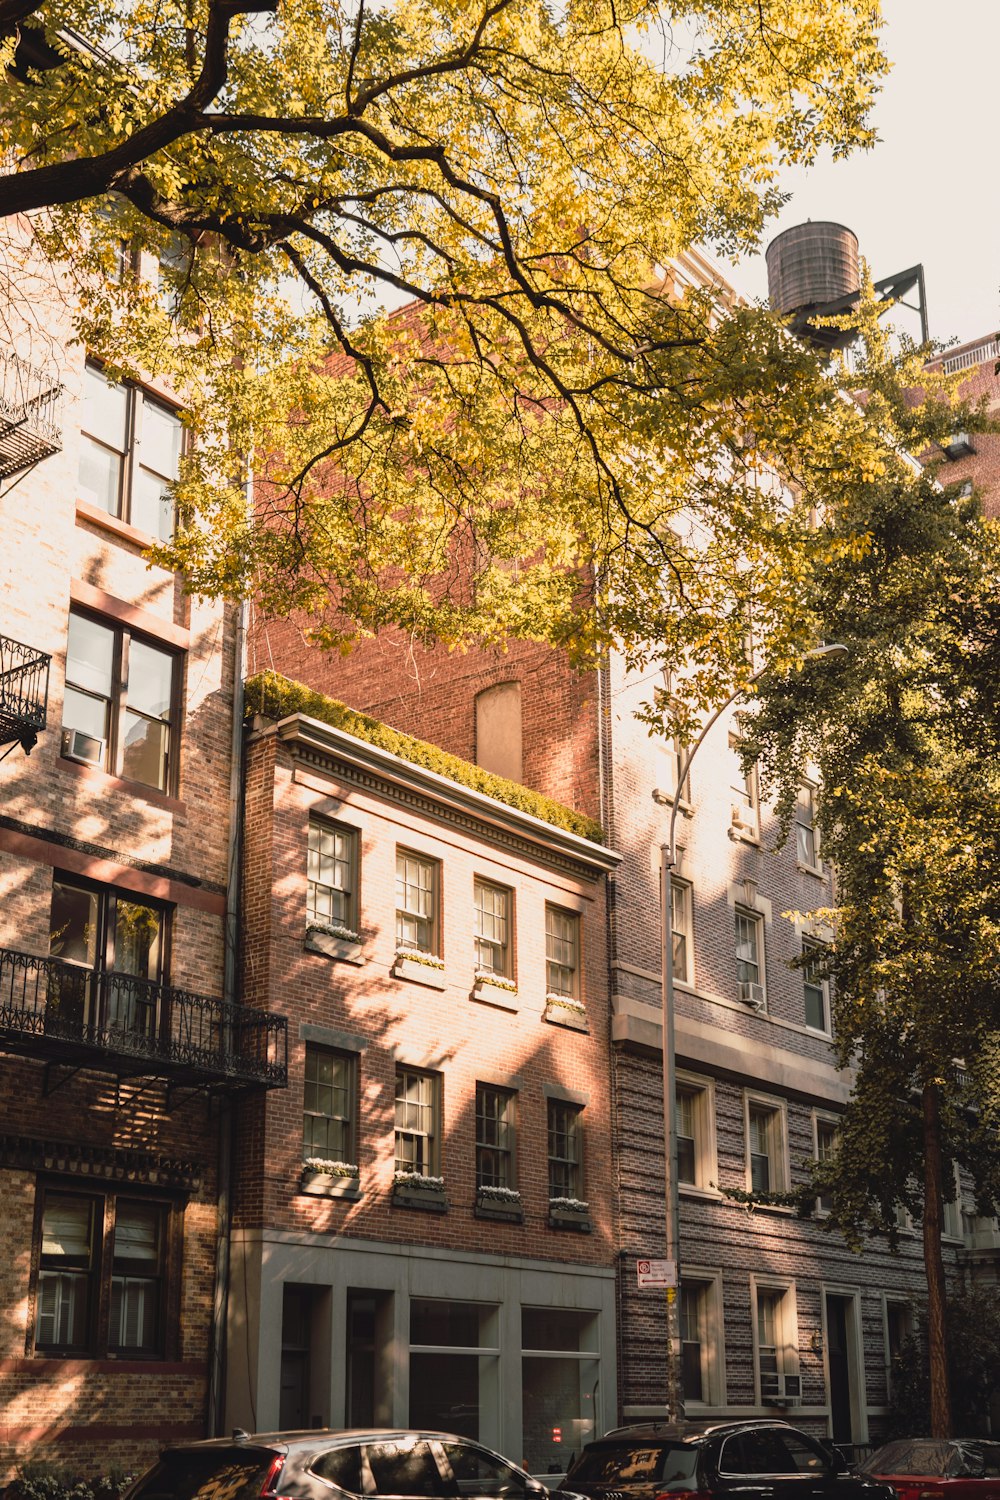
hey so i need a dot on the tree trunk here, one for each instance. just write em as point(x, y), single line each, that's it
point(937, 1343)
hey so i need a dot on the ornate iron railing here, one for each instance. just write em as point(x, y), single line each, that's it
point(64, 1011)
point(30, 413)
point(24, 692)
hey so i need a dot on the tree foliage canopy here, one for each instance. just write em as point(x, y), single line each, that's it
point(523, 173)
point(905, 736)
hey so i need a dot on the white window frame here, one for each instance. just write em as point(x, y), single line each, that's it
point(756, 918)
point(745, 795)
point(706, 1170)
point(407, 913)
point(777, 1153)
point(820, 1118)
point(505, 918)
point(128, 457)
point(682, 898)
point(787, 1330)
point(574, 937)
point(713, 1350)
point(813, 945)
point(350, 892)
point(813, 866)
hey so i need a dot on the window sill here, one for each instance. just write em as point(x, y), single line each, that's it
point(692, 1190)
point(328, 946)
point(563, 1015)
point(323, 1185)
point(498, 1209)
point(407, 968)
point(425, 1200)
point(497, 996)
point(816, 870)
point(740, 834)
point(123, 530)
point(136, 789)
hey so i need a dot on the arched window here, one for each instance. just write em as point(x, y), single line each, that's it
point(498, 730)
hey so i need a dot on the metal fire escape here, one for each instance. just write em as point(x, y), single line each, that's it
point(30, 413)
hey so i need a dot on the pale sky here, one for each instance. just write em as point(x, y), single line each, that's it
point(929, 190)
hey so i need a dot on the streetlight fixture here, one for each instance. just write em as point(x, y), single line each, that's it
point(668, 859)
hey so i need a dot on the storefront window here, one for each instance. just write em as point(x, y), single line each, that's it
point(454, 1367)
point(559, 1377)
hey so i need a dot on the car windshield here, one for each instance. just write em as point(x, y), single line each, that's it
point(207, 1475)
point(667, 1465)
point(929, 1457)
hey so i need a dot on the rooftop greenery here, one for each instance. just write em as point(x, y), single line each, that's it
point(276, 697)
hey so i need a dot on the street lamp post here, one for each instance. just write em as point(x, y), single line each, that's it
point(668, 860)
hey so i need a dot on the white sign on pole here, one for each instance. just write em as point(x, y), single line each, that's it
point(656, 1273)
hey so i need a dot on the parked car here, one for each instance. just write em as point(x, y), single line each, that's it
point(938, 1468)
point(749, 1460)
point(322, 1465)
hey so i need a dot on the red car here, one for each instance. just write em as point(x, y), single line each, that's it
point(938, 1468)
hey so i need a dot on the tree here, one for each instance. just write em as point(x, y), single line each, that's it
point(906, 739)
point(973, 1368)
point(553, 399)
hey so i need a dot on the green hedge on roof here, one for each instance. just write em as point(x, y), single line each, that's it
point(275, 697)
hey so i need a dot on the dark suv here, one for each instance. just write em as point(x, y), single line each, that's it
point(754, 1460)
point(330, 1465)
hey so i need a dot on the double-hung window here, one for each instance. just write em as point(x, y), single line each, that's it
point(562, 952)
point(766, 1167)
point(493, 910)
point(693, 1310)
point(130, 451)
point(329, 1105)
point(331, 876)
point(750, 957)
point(815, 992)
point(565, 1149)
point(495, 1124)
point(101, 1279)
point(777, 1360)
point(826, 1150)
point(695, 1132)
point(418, 1121)
point(806, 833)
point(681, 930)
point(120, 709)
point(745, 813)
point(417, 887)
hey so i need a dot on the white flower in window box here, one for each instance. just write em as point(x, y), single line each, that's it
point(494, 989)
point(418, 1190)
point(495, 1202)
point(325, 1178)
point(564, 1010)
point(570, 1213)
point(333, 940)
point(419, 965)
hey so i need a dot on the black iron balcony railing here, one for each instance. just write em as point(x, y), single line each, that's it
point(24, 692)
point(92, 1018)
point(30, 413)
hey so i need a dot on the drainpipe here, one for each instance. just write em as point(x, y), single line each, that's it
point(230, 989)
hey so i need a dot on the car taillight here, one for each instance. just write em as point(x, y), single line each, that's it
point(269, 1489)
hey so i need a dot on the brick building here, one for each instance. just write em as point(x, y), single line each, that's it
point(425, 1222)
point(776, 1314)
point(118, 1050)
point(975, 458)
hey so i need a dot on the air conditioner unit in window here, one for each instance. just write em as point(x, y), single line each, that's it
point(752, 994)
point(76, 745)
point(785, 1390)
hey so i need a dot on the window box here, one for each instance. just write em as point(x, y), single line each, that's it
point(332, 1180)
point(335, 943)
point(419, 968)
point(570, 1213)
point(503, 1205)
point(413, 1190)
point(495, 989)
point(561, 1010)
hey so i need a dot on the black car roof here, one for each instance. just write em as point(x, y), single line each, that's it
point(682, 1432)
point(312, 1437)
